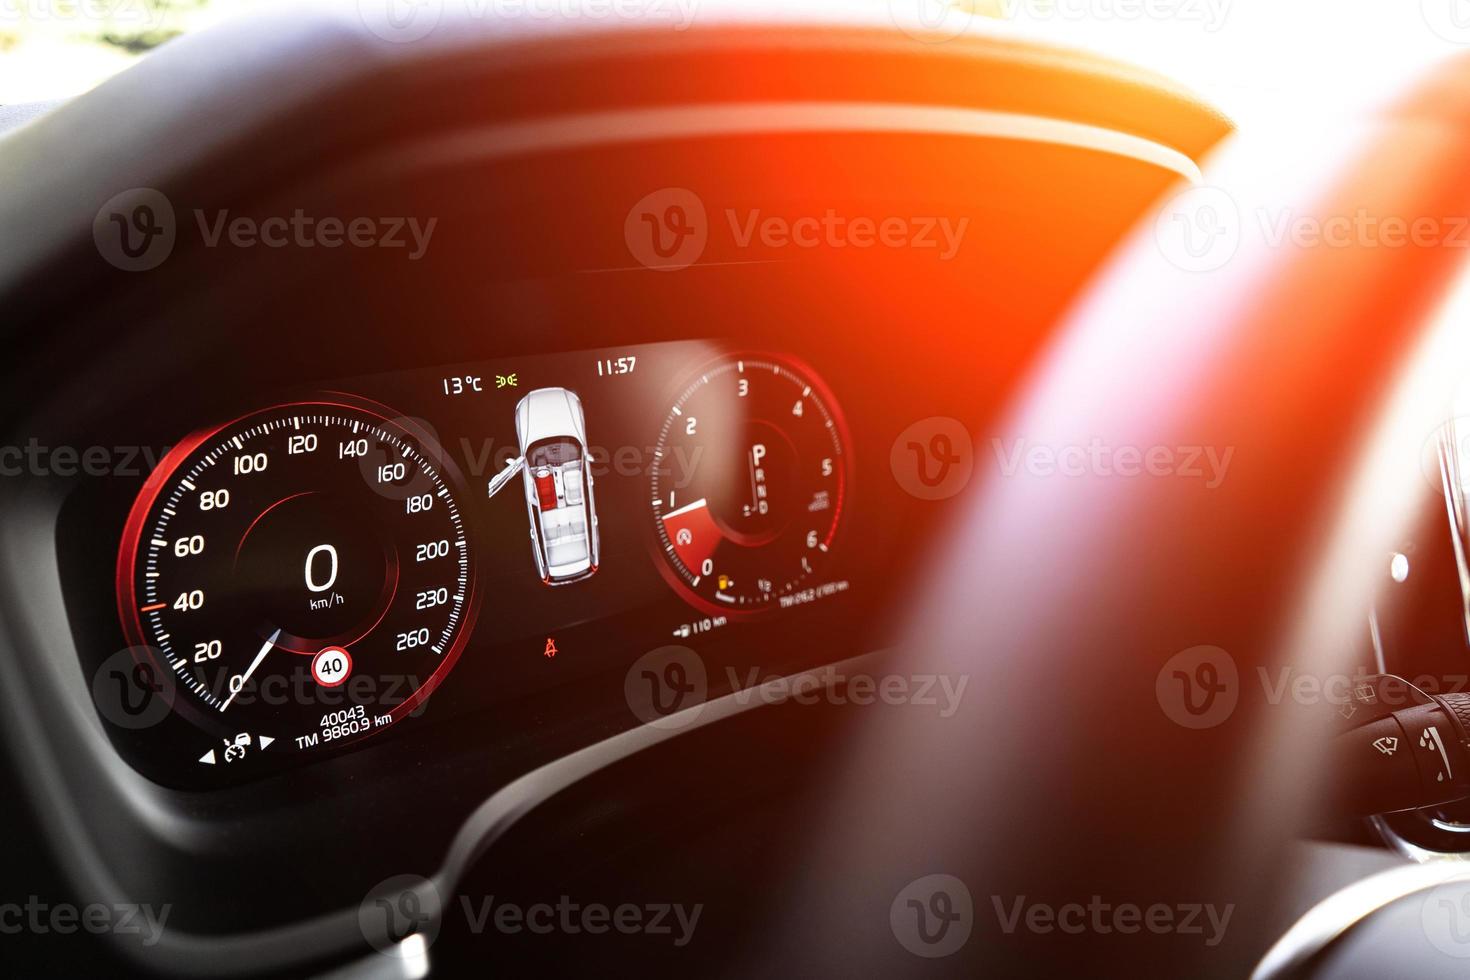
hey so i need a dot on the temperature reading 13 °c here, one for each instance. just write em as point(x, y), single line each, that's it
point(463, 384)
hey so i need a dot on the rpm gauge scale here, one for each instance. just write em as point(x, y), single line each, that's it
point(304, 572)
point(749, 483)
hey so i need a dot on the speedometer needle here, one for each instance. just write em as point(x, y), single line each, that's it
point(251, 669)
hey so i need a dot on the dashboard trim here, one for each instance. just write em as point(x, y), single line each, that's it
point(577, 131)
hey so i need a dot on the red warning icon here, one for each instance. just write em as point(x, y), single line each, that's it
point(550, 650)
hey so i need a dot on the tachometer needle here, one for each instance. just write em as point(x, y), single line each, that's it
point(701, 502)
point(251, 669)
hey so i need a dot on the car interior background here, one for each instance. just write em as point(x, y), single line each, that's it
point(883, 488)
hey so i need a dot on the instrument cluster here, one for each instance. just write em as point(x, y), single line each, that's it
point(306, 575)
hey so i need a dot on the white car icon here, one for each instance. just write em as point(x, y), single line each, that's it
point(552, 432)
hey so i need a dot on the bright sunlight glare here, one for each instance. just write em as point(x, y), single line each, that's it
point(1244, 56)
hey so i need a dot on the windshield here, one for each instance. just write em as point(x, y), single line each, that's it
point(1243, 56)
point(54, 49)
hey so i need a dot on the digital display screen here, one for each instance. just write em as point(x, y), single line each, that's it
point(307, 574)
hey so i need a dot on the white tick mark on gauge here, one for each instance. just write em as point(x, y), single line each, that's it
point(251, 669)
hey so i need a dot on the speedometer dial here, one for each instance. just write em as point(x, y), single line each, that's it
point(748, 490)
point(304, 572)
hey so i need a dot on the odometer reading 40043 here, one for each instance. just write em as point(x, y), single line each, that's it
point(748, 490)
point(304, 572)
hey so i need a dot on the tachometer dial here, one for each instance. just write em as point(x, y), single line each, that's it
point(304, 572)
point(748, 490)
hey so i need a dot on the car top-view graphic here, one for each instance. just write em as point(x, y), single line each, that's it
point(552, 431)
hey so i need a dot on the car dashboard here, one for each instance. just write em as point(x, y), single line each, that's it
point(402, 481)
